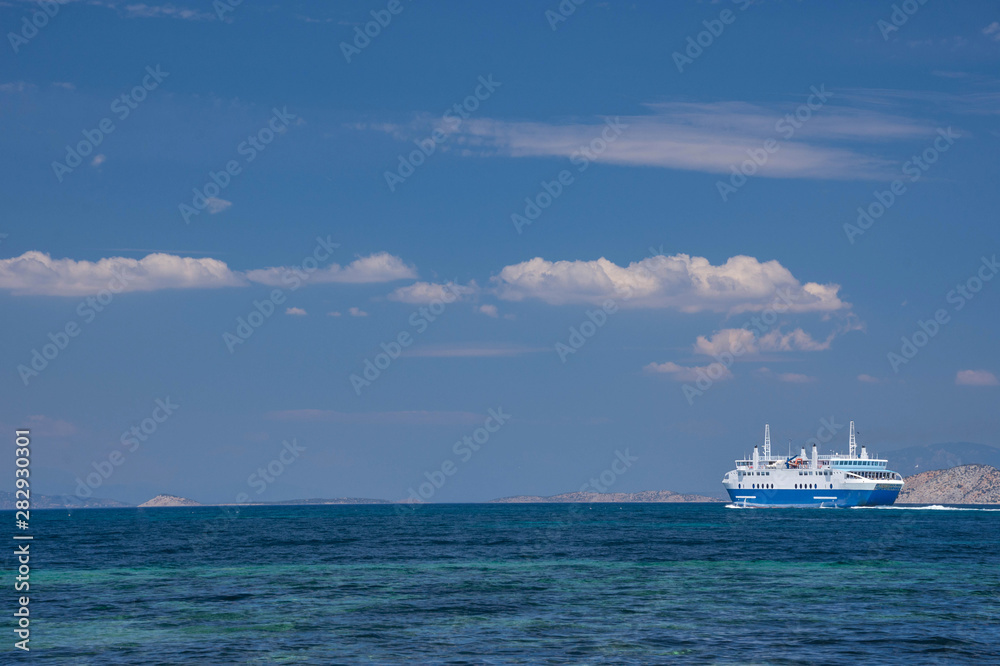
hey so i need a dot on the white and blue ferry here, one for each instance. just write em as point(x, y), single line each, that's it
point(833, 480)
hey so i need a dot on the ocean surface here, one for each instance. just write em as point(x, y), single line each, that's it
point(511, 584)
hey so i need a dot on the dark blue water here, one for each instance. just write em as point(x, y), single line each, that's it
point(513, 584)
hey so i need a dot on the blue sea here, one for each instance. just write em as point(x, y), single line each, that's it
point(512, 584)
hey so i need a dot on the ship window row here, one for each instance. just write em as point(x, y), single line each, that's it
point(823, 473)
point(762, 485)
point(806, 485)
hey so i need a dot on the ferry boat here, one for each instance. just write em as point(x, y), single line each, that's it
point(832, 480)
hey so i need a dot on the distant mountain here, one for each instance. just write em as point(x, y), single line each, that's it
point(8, 501)
point(169, 500)
point(573, 498)
point(335, 500)
point(916, 459)
point(968, 484)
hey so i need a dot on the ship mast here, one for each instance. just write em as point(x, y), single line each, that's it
point(853, 442)
point(767, 441)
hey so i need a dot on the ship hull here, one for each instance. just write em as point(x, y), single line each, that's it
point(840, 498)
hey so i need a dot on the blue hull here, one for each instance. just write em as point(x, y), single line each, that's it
point(817, 497)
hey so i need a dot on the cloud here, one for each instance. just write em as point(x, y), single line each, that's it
point(378, 267)
point(993, 31)
point(705, 137)
point(356, 312)
point(217, 205)
point(868, 379)
point(489, 310)
point(682, 282)
point(166, 11)
point(686, 373)
point(788, 377)
point(45, 426)
point(15, 87)
point(64, 85)
point(377, 418)
point(472, 351)
point(422, 293)
point(296, 311)
point(98, 160)
point(333, 314)
point(795, 378)
point(976, 378)
point(37, 273)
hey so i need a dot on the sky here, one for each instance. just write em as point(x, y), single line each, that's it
point(458, 251)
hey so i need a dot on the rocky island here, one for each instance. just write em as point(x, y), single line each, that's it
point(966, 484)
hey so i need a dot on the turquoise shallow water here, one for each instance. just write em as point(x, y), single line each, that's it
point(519, 584)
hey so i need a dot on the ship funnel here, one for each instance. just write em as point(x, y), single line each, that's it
point(815, 459)
point(756, 457)
point(864, 452)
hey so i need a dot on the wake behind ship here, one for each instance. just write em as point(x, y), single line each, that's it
point(834, 480)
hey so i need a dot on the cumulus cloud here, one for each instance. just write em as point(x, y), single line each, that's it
point(489, 310)
point(37, 273)
point(976, 378)
point(378, 267)
point(356, 312)
point(296, 311)
point(422, 293)
point(682, 282)
point(744, 341)
point(690, 373)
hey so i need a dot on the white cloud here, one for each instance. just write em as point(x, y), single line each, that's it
point(686, 373)
point(64, 85)
point(15, 87)
point(795, 378)
point(682, 282)
point(377, 418)
point(473, 351)
point(422, 293)
point(36, 273)
point(706, 137)
point(976, 378)
point(296, 311)
point(98, 160)
point(489, 310)
point(868, 379)
point(743, 341)
point(217, 205)
point(356, 312)
point(333, 314)
point(166, 11)
point(993, 31)
point(378, 267)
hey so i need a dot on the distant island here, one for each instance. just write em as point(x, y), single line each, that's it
point(169, 500)
point(963, 484)
point(967, 484)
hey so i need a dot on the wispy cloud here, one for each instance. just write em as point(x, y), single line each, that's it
point(217, 205)
point(377, 418)
point(422, 293)
point(690, 373)
point(706, 137)
point(296, 311)
point(976, 378)
point(356, 312)
point(473, 350)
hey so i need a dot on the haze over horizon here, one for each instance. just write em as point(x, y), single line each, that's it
point(582, 238)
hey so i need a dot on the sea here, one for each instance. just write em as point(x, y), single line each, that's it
point(510, 584)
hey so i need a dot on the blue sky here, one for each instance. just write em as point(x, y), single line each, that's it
point(324, 208)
